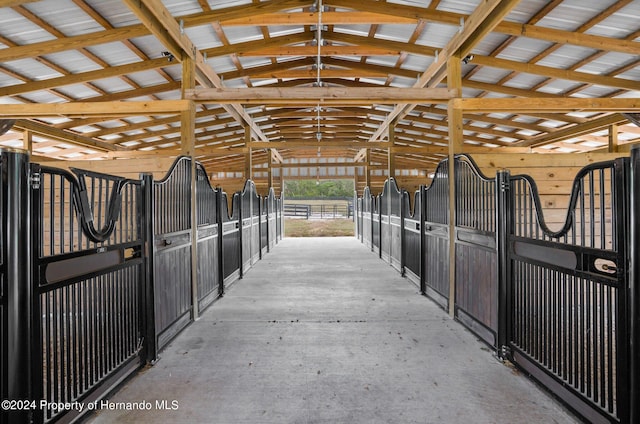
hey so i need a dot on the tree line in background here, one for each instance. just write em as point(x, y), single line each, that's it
point(314, 189)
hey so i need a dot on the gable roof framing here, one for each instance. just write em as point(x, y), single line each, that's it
point(330, 74)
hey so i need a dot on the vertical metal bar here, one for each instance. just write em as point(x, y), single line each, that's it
point(220, 222)
point(259, 228)
point(192, 179)
point(389, 212)
point(268, 209)
point(147, 314)
point(241, 235)
point(371, 220)
point(379, 203)
point(628, 334)
point(504, 219)
point(402, 237)
point(19, 286)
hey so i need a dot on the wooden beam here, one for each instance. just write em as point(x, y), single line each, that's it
point(391, 162)
point(275, 155)
point(248, 46)
point(325, 51)
point(71, 43)
point(188, 117)
point(505, 27)
point(85, 109)
point(187, 144)
point(134, 31)
point(52, 133)
point(313, 143)
point(456, 141)
point(613, 138)
point(550, 72)
point(155, 16)
point(486, 16)
point(359, 40)
point(311, 74)
point(569, 37)
point(323, 95)
point(248, 164)
point(367, 169)
point(27, 141)
point(109, 72)
point(14, 3)
point(328, 18)
point(320, 164)
point(555, 105)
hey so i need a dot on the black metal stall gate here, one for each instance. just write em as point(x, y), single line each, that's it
point(563, 305)
point(96, 275)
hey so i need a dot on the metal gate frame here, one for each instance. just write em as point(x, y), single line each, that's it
point(567, 296)
point(501, 240)
point(78, 296)
point(88, 283)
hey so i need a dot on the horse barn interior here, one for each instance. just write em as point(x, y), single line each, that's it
point(144, 148)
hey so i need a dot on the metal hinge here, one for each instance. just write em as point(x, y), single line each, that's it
point(505, 186)
point(34, 180)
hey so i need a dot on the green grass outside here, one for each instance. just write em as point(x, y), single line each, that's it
point(318, 228)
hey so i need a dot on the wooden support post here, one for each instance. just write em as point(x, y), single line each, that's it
point(391, 162)
point(248, 165)
point(281, 185)
point(27, 141)
point(188, 145)
point(454, 116)
point(356, 170)
point(269, 171)
point(613, 138)
point(367, 169)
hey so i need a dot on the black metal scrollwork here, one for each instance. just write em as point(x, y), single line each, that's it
point(85, 211)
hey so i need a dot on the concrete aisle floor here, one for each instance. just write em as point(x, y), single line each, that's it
point(322, 331)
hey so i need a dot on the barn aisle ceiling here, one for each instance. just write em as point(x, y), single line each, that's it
point(300, 79)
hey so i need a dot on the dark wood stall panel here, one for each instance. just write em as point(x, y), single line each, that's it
point(411, 243)
point(476, 283)
point(231, 239)
point(208, 240)
point(392, 209)
point(172, 251)
point(436, 233)
point(250, 225)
